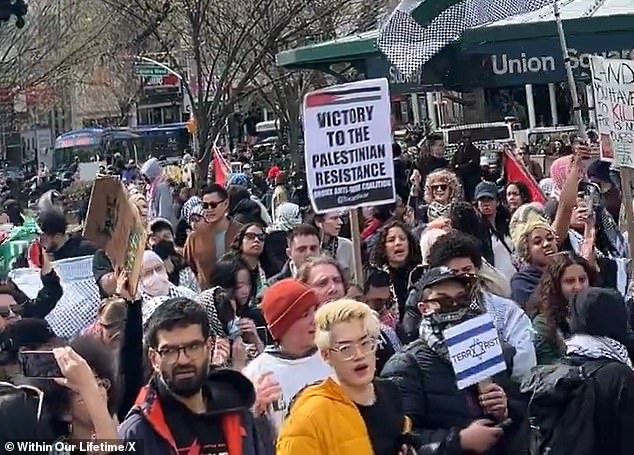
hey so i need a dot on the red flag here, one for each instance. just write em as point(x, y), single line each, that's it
point(221, 167)
point(514, 171)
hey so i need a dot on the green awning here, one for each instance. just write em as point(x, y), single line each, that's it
point(546, 29)
point(363, 45)
point(349, 48)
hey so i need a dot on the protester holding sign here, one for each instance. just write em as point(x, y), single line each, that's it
point(463, 419)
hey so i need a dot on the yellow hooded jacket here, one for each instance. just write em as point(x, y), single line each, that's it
point(323, 421)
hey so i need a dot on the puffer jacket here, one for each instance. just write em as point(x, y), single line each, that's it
point(323, 421)
point(430, 397)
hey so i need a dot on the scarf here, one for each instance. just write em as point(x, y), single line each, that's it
point(431, 330)
point(287, 216)
point(597, 348)
point(330, 247)
point(390, 316)
point(260, 286)
point(207, 299)
point(150, 303)
point(437, 210)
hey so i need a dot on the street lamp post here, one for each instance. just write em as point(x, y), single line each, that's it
point(187, 94)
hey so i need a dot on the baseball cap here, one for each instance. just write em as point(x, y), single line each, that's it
point(486, 189)
point(441, 274)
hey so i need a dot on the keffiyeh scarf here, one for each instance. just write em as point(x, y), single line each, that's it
point(329, 247)
point(437, 210)
point(150, 303)
point(598, 348)
point(207, 299)
point(287, 216)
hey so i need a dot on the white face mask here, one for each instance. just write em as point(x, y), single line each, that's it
point(156, 284)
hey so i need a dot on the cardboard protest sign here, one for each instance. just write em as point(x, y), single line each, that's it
point(114, 224)
point(475, 351)
point(613, 84)
point(348, 146)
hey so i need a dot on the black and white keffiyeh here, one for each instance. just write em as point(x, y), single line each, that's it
point(418, 29)
point(598, 348)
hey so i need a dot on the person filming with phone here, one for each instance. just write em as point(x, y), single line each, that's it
point(15, 304)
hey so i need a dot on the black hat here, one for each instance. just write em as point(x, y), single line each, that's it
point(52, 221)
point(598, 312)
point(440, 274)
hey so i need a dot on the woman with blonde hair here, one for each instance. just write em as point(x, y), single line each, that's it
point(442, 188)
point(351, 411)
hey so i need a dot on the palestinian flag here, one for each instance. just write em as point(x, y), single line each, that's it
point(418, 29)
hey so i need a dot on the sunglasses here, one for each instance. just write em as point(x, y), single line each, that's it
point(441, 187)
point(211, 205)
point(252, 236)
point(30, 392)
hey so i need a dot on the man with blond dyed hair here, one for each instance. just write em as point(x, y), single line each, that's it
point(351, 411)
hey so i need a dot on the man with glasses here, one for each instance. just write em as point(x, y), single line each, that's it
point(205, 246)
point(185, 408)
point(350, 412)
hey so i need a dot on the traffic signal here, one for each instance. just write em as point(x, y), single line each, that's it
point(192, 126)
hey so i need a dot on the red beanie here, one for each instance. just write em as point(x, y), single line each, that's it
point(284, 303)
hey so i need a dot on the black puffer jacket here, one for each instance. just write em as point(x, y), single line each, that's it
point(439, 410)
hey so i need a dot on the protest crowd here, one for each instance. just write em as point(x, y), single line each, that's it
point(248, 330)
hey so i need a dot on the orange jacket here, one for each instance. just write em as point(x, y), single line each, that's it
point(323, 421)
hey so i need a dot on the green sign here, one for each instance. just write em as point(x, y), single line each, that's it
point(148, 70)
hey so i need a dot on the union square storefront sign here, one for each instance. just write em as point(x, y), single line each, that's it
point(507, 64)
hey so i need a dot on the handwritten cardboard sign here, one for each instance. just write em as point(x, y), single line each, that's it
point(475, 351)
point(114, 224)
point(613, 84)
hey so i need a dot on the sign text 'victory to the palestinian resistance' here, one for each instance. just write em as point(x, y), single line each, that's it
point(348, 145)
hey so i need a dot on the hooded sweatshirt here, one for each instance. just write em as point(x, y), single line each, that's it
point(293, 374)
point(159, 194)
point(166, 427)
point(523, 283)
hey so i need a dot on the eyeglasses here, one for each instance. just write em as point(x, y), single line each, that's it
point(439, 187)
point(212, 205)
point(191, 350)
point(252, 236)
point(348, 351)
point(6, 388)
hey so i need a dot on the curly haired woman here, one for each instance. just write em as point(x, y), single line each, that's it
point(442, 188)
point(397, 253)
point(566, 275)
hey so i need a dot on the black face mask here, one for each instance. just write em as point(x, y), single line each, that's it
point(164, 249)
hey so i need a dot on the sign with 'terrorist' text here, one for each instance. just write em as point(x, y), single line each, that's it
point(475, 351)
point(348, 146)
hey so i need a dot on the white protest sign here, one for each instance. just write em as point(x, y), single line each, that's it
point(475, 351)
point(348, 146)
point(613, 84)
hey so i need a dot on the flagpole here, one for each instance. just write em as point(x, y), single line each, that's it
point(572, 86)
